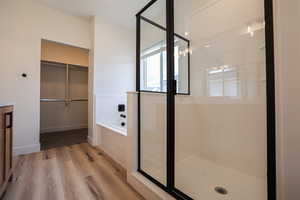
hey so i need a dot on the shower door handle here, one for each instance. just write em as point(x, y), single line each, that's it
point(175, 87)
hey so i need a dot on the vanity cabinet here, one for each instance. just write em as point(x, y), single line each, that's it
point(6, 138)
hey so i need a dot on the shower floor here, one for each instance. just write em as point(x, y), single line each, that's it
point(198, 178)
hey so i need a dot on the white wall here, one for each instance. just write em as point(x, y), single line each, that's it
point(114, 67)
point(106, 109)
point(22, 26)
point(287, 31)
point(114, 56)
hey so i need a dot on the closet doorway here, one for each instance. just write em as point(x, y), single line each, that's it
point(64, 95)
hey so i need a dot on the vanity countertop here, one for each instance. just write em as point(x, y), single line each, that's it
point(6, 105)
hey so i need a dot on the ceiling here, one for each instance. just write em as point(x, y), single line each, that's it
point(119, 11)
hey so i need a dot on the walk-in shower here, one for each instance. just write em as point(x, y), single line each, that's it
point(205, 82)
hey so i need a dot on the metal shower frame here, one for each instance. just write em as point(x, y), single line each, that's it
point(171, 92)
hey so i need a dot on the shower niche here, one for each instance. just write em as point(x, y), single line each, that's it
point(205, 83)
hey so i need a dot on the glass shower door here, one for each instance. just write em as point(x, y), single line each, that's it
point(220, 128)
point(152, 95)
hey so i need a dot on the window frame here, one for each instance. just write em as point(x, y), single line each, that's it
point(142, 89)
point(161, 51)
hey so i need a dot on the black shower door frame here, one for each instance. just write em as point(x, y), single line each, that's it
point(171, 92)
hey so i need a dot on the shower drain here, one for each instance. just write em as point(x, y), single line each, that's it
point(221, 190)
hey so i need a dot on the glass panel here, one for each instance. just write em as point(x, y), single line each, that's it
point(221, 133)
point(156, 13)
point(153, 105)
point(153, 135)
point(153, 60)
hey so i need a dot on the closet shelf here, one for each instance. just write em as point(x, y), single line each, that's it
point(57, 64)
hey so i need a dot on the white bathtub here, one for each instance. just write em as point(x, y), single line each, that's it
point(116, 128)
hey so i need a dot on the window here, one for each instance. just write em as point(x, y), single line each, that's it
point(154, 69)
point(223, 81)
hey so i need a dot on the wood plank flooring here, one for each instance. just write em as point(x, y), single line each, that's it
point(77, 172)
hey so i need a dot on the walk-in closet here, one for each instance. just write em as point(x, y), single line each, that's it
point(64, 95)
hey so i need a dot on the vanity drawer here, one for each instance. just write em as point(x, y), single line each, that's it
point(2, 157)
point(6, 138)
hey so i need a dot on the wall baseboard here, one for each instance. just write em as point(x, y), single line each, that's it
point(144, 186)
point(65, 128)
point(21, 150)
point(90, 140)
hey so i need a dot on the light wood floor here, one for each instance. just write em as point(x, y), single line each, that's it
point(78, 172)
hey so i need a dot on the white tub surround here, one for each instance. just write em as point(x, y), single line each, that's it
point(112, 140)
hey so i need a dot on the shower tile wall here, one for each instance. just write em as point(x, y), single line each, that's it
point(220, 131)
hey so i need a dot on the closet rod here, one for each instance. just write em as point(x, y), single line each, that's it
point(79, 99)
point(62, 100)
point(53, 100)
point(67, 89)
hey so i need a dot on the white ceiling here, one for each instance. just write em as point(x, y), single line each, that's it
point(119, 11)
